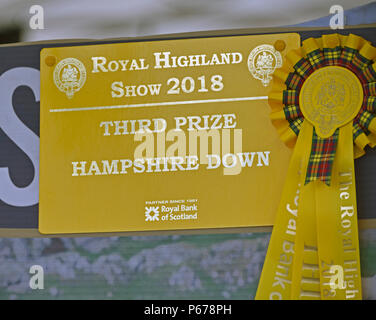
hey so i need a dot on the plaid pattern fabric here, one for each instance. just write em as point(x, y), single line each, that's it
point(292, 112)
point(365, 119)
point(357, 130)
point(369, 73)
point(316, 59)
point(347, 56)
point(294, 81)
point(360, 62)
point(332, 55)
point(370, 89)
point(321, 159)
point(296, 125)
point(303, 68)
point(290, 97)
point(371, 104)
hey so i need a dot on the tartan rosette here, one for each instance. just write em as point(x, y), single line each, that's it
point(351, 52)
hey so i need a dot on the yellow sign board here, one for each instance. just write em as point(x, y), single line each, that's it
point(160, 135)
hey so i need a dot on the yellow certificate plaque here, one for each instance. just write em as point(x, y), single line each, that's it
point(161, 135)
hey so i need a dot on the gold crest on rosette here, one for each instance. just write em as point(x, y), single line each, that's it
point(323, 106)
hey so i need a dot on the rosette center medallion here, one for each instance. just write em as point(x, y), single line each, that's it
point(330, 98)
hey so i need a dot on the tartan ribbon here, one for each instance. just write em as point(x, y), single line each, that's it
point(321, 159)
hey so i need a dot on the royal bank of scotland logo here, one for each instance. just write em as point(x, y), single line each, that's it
point(151, 213)
point(69, 76)
point(262, 62)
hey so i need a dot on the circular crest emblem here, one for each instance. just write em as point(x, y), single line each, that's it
point(330, 98)
point(69, 76)
point(262, 61)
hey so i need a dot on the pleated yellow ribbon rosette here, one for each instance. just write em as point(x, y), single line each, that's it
point(323, 105)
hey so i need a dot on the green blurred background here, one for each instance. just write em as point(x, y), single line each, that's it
point(216, 266)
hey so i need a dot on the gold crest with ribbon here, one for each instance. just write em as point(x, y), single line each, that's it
point(323, 105)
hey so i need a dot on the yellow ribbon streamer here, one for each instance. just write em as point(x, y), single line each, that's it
point(276, 277)
point(306, 278)
point(337, 228)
